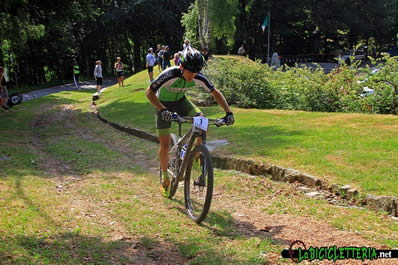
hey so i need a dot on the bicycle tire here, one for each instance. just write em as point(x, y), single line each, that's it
point(174, 181)
point(206, 169)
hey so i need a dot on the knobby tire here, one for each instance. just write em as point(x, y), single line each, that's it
point(205, 159)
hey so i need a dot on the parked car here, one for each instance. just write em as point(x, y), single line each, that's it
point(347, 56)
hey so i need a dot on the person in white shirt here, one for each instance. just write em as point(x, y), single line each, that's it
point(241, 50)
point(150, 62)
point(275, 61)
point(186, 44)
point(98, 75)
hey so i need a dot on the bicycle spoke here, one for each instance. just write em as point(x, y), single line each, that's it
point(199, 184)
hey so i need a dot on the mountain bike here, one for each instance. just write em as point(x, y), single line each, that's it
point(191, 162)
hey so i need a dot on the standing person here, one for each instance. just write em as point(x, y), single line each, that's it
point(275, 61)
point(3, 90)
point(98, 75)
point(167, 95)
point(186, 44)
point(150, 62)
point(76, 73)
point(119, 71)
point(177, 59)
point(158, 59)
point(166, 57)
point(241, 50)
point(205, 53)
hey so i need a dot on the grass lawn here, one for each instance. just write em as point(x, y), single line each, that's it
point(76, 191)
point(343, 148)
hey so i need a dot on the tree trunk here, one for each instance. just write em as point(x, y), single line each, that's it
point(204, 23)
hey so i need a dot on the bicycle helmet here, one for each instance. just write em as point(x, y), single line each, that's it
point(192, 60)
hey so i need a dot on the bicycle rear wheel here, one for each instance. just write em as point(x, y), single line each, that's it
point(172, 168)
point(198, 183)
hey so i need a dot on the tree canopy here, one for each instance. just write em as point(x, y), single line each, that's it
point(40, 40)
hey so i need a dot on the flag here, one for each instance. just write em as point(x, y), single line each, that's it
point(265, 23)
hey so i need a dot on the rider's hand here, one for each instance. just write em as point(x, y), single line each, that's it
point(166, 115)
point(229, 118)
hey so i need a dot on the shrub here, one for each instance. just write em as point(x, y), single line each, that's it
point(255, 85)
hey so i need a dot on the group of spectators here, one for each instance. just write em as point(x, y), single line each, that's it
point(118, 66)
point(162, 56)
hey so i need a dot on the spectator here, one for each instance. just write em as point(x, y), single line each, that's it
point(166, 57)
point(76, 73)
point(158, 58)
point(98, 75)
point(119, 71)
point(205, 53)
point(176, 59)
point(3, 90)
point(241, 50)
point(186, 44)
point(150, 62)
point(275, 61)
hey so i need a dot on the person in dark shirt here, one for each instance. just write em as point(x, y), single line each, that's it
point(166, 57)
point(205, 54)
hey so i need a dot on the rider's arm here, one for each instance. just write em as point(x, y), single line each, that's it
point(220, 100)
point(154, 99)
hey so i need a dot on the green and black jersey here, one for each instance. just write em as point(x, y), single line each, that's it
point(170, 86)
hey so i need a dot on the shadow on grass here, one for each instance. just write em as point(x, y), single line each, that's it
point(223, 224)
point(73, 248)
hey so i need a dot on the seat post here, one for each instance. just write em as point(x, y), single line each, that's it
point(179, 129)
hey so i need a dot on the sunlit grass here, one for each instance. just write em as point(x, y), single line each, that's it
point(344, 148)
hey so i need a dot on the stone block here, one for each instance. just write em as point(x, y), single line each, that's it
point(385, 203)
point(291, 175)
point(309, 180)
point(277, 173)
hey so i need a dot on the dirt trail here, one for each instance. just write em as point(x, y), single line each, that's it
point(68, 180)
point(248, 217)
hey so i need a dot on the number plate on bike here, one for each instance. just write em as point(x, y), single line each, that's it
point(201, 122)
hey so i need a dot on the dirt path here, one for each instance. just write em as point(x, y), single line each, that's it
point(69, 181)
point(249, 219)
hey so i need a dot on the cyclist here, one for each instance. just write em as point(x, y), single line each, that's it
point(167, 95)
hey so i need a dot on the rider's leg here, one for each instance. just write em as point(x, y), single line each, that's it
point(163, 130)
point(164, 152)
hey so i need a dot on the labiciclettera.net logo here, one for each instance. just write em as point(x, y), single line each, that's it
point(298, 253)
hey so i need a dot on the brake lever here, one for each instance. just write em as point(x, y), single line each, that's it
point(219, 122)
point(177, 118)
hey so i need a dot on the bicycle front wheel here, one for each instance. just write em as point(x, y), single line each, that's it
point(198, 183)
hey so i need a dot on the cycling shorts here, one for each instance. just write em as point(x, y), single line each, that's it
point(183, 107)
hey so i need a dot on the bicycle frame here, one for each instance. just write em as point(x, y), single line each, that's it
point(189, 137)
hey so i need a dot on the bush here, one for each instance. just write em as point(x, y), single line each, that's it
point(255, 85)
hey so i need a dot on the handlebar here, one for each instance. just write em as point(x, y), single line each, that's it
point(180, 119)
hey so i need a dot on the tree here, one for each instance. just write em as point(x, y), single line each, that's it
point(215, 20)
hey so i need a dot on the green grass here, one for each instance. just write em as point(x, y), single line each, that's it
point(356, 149)
point(38, 225)
point(108, 193)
